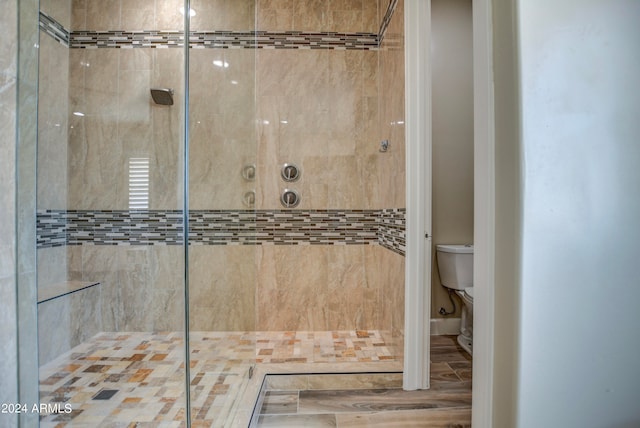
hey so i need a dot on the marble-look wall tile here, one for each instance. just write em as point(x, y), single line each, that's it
point(385, 278)
point(228, 15)
point(310, 15)
point(60, 10)
point(102, 15)
point(52, 266)
point(392, 112)
point(78, 15)
point(274, 15)
point(335, 15)
point(141, 288)
point(318, 15)
point(151, 278)
point(105, 15)
point(346, 288)
point(167, 156)
point(56, 339)
point(94, 177)
point(326, 138)
point(138, 15)
point(222, 128)
point(53, 89)
point(67, 322)
point(100, 264)
point(168, 14)
point(222, 288)
point(321, 288)
point(121, 122)
point(292, 288)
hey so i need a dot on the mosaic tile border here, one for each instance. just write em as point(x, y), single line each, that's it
point(223, 40)
point(391, 232)
point(125, 39)
point(284, 40)
point(55, 228)
point(54, 29)
point(319, 227)
point(217, 39)
point(385, 227)
point(387, 20)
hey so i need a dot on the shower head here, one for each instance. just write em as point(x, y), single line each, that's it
point(162, 96)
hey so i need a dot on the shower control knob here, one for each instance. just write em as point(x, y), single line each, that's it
point(290, 198)
point(290, 172)
point(249, 198)
point(249, 172)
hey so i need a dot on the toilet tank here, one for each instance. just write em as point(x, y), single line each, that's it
point(455, 264)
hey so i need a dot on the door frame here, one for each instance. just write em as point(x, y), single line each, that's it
point(418, 194)
point(417, 319)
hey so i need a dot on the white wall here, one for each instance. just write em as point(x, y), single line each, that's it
point(580, 285)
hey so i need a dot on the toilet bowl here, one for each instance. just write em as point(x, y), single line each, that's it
point(455, 264)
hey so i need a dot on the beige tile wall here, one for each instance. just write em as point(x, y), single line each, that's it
point(317, 109)
point(53, 137)
point(333, 103)
point(111, 87)
point(222, 127)
point(318, 15)
point(390, 166)
point(84, 165)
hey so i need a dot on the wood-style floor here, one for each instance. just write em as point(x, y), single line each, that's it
point(305, 403)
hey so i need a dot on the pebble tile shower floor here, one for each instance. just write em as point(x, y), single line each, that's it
point(137, 379)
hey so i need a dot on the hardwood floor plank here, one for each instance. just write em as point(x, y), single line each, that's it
point(297, 421)
point(435, 418)
point(341, 401)
point(280, 402)
point(432, 418)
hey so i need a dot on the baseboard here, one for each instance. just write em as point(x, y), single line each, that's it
point(443, 326)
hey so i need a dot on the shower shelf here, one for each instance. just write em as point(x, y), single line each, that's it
point(63, 289)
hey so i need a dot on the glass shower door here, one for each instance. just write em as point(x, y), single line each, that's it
point(222, 174)
point(111, 255)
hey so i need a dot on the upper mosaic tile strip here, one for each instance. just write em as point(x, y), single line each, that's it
point(224, 40)
point(387, 19)
point(223, 227)
point(284, 40)
point(217, 39)
point(54, 29)
point(126, 39)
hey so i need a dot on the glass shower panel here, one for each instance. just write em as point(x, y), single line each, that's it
point(110, 217)
point(222, 174)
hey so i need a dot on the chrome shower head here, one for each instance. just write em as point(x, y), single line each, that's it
point(162, 96)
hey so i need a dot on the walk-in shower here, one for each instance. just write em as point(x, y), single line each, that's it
point(253, 227)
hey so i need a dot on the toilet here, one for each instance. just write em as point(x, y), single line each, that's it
point(455, 264)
